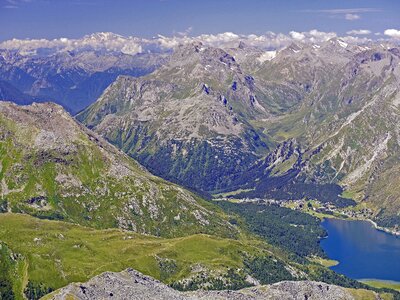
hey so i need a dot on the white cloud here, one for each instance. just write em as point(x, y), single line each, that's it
point(297, 35)
point(349, 14)
point(13, 4)
point(356, 40)
point(346, 10)
point(268, 41)
point(352, 17)
point(96, 41)
point(186, 32)
point(312, 36)
point(321, 36)
point(171, 42)
point(359, 32)
point(393, 33)
point(217, 39)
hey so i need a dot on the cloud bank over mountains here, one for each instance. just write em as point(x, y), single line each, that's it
point(106, 41)
point(394, 33)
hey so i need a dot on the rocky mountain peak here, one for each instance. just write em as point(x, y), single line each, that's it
point(184, 50)
point(295, 47)
point(198, 53)
point(55, 129)
point(242, 45)
point(130, 284)
point(337, 47)
point(103, 36)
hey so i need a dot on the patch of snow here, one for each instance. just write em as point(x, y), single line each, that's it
point(342, 44)
point(266, 56)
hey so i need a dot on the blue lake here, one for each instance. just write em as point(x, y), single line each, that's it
point(362, 251)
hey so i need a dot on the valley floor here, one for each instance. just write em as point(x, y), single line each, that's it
point(320, 210)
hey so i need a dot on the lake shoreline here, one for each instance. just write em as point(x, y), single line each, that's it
point(374, 224)
point(384, 229)
point(364, 253)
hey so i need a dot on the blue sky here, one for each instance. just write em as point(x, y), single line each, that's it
point(147, 18)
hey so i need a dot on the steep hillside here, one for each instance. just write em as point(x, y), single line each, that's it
point(52, 167)
point(187, 121)
point(8, 91)
point(345, 131)
point(206, 118)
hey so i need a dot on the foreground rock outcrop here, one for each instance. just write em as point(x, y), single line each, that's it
point(131, 284)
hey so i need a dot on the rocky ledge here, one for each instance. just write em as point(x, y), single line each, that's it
point(130, 284)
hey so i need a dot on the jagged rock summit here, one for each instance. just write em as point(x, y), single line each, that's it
point(130, 284)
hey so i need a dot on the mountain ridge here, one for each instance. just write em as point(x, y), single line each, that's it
point(53, 167)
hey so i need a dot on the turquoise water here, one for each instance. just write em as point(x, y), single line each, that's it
point(362, 250)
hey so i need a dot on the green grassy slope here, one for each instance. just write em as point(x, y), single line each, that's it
point(52, 167)
point(57, 253)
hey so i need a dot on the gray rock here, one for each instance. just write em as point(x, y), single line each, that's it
point(130, 284)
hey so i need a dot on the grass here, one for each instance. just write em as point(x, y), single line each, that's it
point(311, 211)
point(349, 194)
point(58, 253)
point(361, 294)
point(91, 194)
point(395, 285)
point(13, 277)
point(324, 262)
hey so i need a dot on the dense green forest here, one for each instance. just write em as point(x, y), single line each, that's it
point(265, 269)
point(294, 231)
point(289, 186)
point(34, 291)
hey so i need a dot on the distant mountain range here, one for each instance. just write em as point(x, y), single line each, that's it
point(307, 121)
point(73, 77)
point(299, 120)
point(8, 91)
